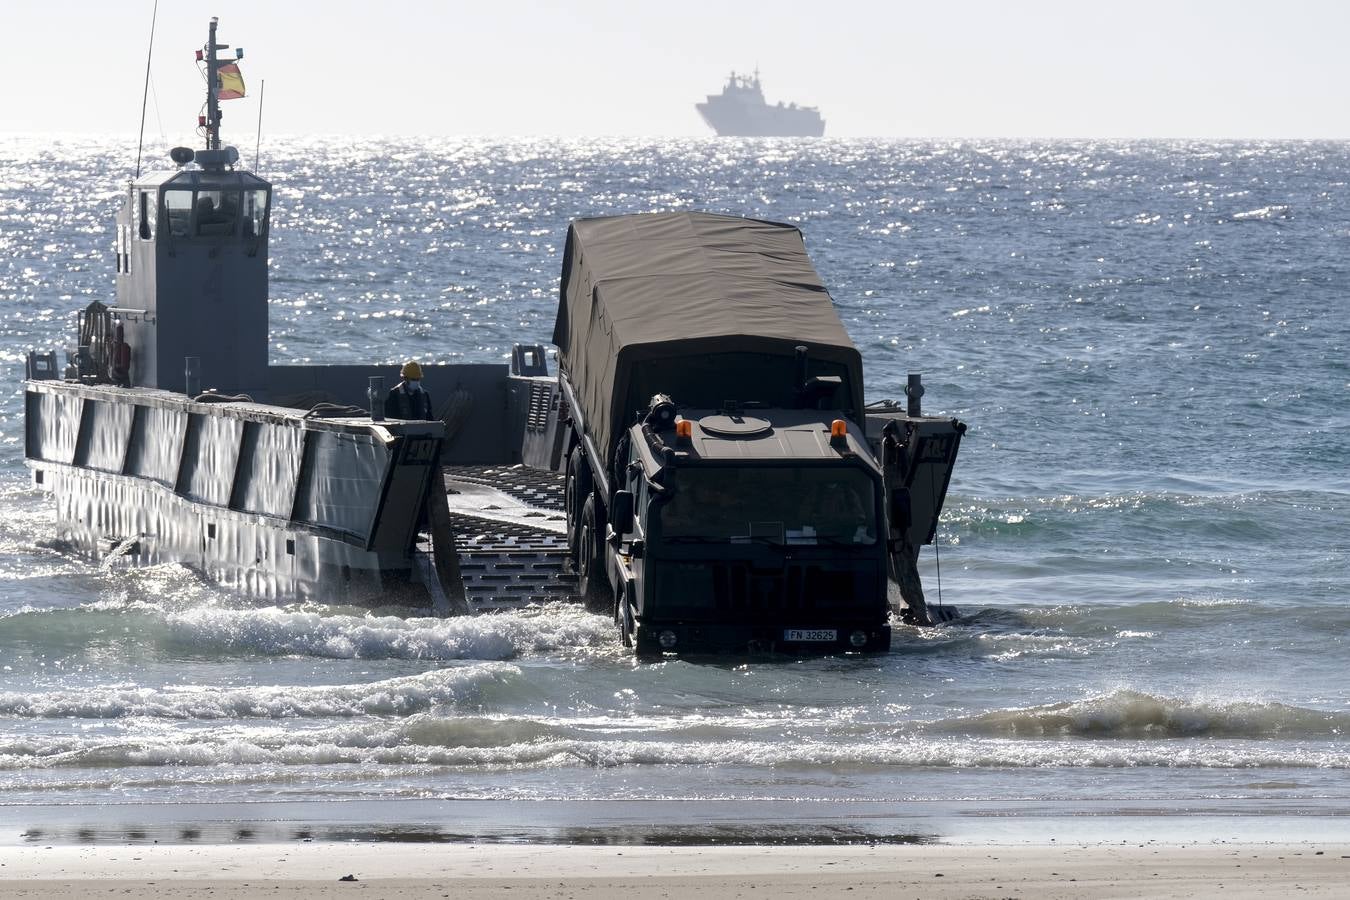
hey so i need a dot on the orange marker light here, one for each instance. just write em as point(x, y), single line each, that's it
point(838, 428)
point(684, 429)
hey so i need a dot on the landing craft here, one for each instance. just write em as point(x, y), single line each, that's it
point(168, 437)
point(703, 467)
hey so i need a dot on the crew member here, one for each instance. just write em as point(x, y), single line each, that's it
point(408, 399)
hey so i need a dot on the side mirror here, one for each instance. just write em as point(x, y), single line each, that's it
point(621, 512)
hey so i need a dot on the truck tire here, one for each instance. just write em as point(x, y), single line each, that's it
point(592, 580)
point(575, 491)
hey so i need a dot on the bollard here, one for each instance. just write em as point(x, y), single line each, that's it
point(375, 397)
point(914, 393)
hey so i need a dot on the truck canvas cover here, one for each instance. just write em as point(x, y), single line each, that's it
point(680, 286)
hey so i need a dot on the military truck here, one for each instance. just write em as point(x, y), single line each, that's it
point(727, 489)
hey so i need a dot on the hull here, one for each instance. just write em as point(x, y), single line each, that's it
point(261, 499)
point(731, 118)
point(127, 522)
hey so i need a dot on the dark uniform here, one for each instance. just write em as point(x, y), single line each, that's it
point(405, 402)
point(409, 400)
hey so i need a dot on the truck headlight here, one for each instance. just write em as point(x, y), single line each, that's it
point(667, 639)
point(858, 638)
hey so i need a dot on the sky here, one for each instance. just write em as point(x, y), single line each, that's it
point(937, 69)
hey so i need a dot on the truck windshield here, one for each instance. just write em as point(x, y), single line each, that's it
point(789, 506)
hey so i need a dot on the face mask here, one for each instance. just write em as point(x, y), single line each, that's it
point(414, 385)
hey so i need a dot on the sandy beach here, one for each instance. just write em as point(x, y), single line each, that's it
point(553, 871)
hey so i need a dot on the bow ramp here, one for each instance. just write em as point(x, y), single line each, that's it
point(511, 535)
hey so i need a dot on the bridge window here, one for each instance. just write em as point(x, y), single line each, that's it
point(217, 212)
point(178, 210)
point(146, 215)
point(255, 213)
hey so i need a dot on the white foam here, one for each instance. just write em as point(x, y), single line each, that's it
point(395, 696)
point(1136, 715)
point(275, 631)
point(505, 744)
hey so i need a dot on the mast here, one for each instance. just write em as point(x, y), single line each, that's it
point(209, 122)
point(213, 88)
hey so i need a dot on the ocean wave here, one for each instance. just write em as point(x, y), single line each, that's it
point(390, 697)
point(211, 629)
point(956, 641)
point(1134, 715)
point(273, 631)
point(1274, 213)
point(505, 744)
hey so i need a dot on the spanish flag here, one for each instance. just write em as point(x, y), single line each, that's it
point(229, 83)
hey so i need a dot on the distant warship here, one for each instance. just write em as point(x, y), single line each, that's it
point(740, 111)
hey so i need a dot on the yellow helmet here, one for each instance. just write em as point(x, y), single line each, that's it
point(411, 371)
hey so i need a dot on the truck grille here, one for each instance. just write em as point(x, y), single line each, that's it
point(732, 589)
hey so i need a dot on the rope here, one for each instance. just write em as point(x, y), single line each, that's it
point(937, 545)
point(336, 411)
point(937, 555)
point(140, 139)
point(262, 92)
point(214, 397)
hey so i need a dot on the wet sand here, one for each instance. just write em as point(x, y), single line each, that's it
point(526, 872)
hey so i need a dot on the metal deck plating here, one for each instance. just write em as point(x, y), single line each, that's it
point(510, 534)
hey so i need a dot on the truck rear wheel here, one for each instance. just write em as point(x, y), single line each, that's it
point(577, 488)
point(592, 580)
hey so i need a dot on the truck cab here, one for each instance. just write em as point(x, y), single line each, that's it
point(750, 530)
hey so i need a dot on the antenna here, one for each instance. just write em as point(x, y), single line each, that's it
point(212, 101)
point(145, 94)
point(262, 92)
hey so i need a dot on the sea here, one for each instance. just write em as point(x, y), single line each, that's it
point(1147, 536)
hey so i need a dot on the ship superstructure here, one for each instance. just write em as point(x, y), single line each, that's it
point(741, 111)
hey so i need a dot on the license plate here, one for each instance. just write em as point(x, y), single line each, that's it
point(810, 634)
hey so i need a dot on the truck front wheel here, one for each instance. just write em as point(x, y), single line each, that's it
point(592, 580)
point(623, 617)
